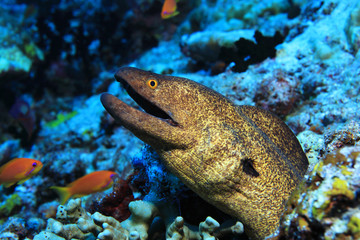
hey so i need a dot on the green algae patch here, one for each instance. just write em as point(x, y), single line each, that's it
point(354, 224)
point(9, 205)
point(32, 51)
point(345, 171)
point(341, 187)
point(61, 118)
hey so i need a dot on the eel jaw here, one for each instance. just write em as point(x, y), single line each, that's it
point(154, 126)
point(145, 104)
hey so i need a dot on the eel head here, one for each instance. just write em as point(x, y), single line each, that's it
point(168, 103)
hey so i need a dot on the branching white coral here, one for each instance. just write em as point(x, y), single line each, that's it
point(72, 221)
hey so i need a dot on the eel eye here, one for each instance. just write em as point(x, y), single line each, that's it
point(152, 83)
point(34, 164)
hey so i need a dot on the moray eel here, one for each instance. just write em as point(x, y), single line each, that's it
point(241, 159)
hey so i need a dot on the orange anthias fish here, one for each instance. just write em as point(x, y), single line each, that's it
point(88, 184)
point(169, 9)
point(19, 170)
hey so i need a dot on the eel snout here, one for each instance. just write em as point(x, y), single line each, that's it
point(117, 108)
point(151, 123)
point(149, 128)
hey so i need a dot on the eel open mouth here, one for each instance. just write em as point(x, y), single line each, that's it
point(145, 104)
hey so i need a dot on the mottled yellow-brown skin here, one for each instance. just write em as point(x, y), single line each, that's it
point(241, 159)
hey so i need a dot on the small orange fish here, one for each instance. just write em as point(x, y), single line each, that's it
point(19, 170)
point(169, 9)
point(88, 184)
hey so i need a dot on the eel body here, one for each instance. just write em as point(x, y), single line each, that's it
point(241, 159)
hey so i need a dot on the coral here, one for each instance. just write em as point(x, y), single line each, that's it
point(327, 109)
point(65, 225)
point(158, 182)
point(17, 31)
point(67, 231)
point(339, 159)
point(85, 121)
point(353, 29)
point(347, 135)
point(179, 61)
point(177, 230)
point(8, 149)
point(327, 205)
point(278, 93)
point(48, 209)
point(8, 236)
point(47, 235)
point(142, 215)
point(207, 230)
point(35, 225)
point(208, 227)
point(313, 145)
point(111, 228)
point(71, 212)
point(205, 46)
point(231, 15)
point(115, 204)
point(13, 59)
point(14, 226)
point(74, 222)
